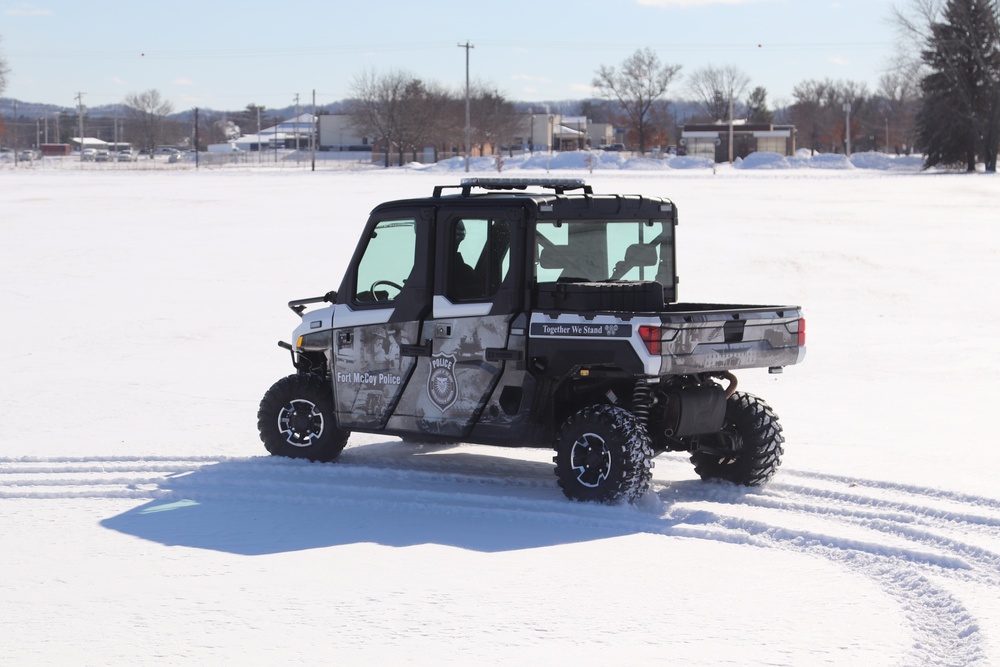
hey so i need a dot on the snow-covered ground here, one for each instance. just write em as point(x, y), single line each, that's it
point(141, 522)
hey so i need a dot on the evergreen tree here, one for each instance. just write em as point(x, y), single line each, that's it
point(960, 118)
point(757, 111)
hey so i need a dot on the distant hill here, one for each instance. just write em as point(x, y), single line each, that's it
point(682, 109)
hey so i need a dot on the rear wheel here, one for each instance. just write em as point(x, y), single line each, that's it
point(297, 419)
point(749, 448)
point(603, 454)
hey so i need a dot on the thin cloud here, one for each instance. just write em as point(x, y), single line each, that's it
point(27, 10)
point(695, 3)
point(530, 77)
point(840, 60)
point(183, 81)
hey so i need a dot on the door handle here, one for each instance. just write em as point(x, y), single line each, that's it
point(502, 354)
point(416, 350)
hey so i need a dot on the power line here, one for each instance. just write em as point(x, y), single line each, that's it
point(368, 48)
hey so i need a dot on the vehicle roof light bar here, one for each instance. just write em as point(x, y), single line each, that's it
point(558, 185)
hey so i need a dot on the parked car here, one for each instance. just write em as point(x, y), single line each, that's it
point(29, 155)
point(88, 154)
point(102, 155)
point(126, 156)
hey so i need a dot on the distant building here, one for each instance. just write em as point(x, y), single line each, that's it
point(55, 149)
point(291, 133)
point(87, 142)
point(336, 133)
point(712, 140)
point(600, 134)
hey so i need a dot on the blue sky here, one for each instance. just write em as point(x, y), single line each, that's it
point(212, 55)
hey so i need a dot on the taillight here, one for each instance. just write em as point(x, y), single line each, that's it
point(802, 332)
point(653, 338)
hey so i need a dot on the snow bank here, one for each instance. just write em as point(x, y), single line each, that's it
point(762, 161)
point(611, 160)
point(873, 160)
point(830, 161)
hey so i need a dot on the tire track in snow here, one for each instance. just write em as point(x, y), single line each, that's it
point(906, 539)
point(914, 543)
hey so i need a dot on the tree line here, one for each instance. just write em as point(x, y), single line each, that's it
point(940, 97)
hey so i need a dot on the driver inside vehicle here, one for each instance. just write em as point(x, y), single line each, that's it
point(465, 282)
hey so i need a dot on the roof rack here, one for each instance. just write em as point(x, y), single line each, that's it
point(558, 185)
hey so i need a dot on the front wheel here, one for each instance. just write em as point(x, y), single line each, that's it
point(603, 454)
point(297, 419)
point(751, 444)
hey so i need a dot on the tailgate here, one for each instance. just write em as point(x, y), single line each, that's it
point(731, 338)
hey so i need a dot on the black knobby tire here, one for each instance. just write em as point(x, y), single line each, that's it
point(603, 454)
point(751, 423)
point(297, 419)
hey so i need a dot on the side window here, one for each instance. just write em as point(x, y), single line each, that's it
point(571, 251)
point(387, 262)
point(479, 254)
point(633, 249)
point(551, 251)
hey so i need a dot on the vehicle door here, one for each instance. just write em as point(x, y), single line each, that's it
point(467, 335)
point(385, 296)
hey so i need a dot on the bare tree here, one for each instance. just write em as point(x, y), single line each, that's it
point(899, 89)
point(147, 113)
point(715, 87)
point(812, 114)
point(429, 112)
point(396, 108)
point(3, 74)
point(494, 118)
point(820, 120)
point(637, 85)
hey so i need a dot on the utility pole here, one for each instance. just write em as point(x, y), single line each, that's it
point(468, 121)
point(296, 126)
point(731, 133)
point(196, 164)
point(847, 126)
point(79, 113)
point(314, 132)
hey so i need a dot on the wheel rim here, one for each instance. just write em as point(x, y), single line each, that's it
point(591, 459)
point(300, 422)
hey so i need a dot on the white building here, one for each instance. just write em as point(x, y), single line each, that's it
point(336, 133)
point(295, 132)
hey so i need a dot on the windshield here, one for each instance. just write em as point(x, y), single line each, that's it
point(597, 251)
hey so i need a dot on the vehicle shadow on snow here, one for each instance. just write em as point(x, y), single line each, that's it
point(385, 493)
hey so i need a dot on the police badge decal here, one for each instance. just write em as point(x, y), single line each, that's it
point(442, 385)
